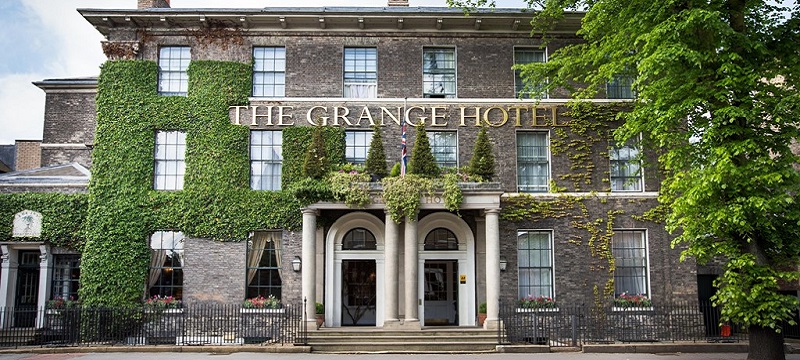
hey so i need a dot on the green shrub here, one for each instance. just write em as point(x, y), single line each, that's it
point(422, 161)
point(482, 162)
point(315, 164)
point(376, 158)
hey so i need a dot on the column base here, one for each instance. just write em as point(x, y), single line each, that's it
point(392, 324)
point(311, 325)
point(411, 324)
point(492, 324)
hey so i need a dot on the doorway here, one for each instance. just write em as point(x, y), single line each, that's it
point(359, 292)
point(27, 289)
point(441, 292)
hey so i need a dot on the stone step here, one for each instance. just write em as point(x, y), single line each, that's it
point(403, 347)
point(409, 339)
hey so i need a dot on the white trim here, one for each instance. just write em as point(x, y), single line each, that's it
point(634, 195)
point(646, 255)
point(64, 145)
point(417, 101)
point(466, 262)
point(552, 259)
point(334, 255)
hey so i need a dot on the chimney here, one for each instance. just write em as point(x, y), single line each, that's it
point(149, 4)
point(398, 3)
point(29, 154)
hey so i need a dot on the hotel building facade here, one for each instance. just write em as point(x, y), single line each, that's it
point(570, 215)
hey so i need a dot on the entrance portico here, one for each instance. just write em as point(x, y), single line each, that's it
point(395, 281)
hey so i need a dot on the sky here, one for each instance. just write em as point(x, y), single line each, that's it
point(47, 39)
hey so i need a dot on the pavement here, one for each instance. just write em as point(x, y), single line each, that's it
point(281, 356)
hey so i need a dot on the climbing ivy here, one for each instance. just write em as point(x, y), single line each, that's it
point(216, 202)
point(62, 217)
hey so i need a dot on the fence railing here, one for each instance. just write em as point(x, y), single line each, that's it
point(190, 325)
point(577, 325)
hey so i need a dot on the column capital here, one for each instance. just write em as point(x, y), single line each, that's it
point(491, 211)
point(310, 211)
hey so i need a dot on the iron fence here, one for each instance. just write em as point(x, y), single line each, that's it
point(577, 325)
point(189, 325)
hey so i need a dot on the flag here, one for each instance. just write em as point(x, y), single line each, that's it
point(403, 152)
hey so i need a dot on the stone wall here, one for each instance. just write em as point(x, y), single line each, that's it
point(29, 155)
point(69, 126)
point(214, 271)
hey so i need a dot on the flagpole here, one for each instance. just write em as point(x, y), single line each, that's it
point(403, 149)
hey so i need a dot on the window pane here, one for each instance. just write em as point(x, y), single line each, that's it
point(265, 160)
point(263, 270)
point(535, 264)
point(533, 164)
point(166, 264)
point(630, 258)
point(439, 73)
point(625, 167)
point(173, 61)
point(169, 164)
point(357, 146)
point(269, 69)
point(526, 56)
point(444, 146)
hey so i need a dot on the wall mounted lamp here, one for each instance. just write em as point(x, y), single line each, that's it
point(296, 264)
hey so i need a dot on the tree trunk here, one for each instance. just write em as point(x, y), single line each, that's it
point(765, 344)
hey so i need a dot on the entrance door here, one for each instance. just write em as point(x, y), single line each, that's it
point(358, 292)
point(27, 289)
point(441, 292)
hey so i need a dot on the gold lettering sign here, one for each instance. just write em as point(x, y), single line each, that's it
point(430, 115)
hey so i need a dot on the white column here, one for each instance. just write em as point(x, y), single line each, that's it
point(492, 269)
point(6, 290)
point(309, 265)
point(45, 274)
point(411, 275)
point(392, 235)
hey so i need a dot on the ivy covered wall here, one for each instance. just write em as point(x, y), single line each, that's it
point(62, 216)
point(216, 202)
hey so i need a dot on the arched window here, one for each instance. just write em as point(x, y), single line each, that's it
point(441, 239)
point(359, 239)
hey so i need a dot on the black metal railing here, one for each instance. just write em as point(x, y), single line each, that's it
point(577, 325)
point(189, 325)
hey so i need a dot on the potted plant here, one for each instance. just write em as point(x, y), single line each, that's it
point(537, 302)
point(320, 314)
point(481, 314)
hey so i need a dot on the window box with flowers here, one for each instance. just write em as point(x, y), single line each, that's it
point(628, 302)
point(163, 304)
point(532, 303)
point(260, 304)
point(57, 304)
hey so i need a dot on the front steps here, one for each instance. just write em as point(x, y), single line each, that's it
point(428, 341)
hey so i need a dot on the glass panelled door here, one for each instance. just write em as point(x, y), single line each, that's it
point(441, 292)
point(358, 292)
point(27, 289)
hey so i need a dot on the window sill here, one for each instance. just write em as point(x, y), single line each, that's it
point(623, 309)
point(164, 311)
point(527, 310)
point(262, 311)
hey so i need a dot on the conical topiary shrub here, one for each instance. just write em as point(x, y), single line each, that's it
point(315, 165)
point(482, 162)
point(376, 158)
point(422, 161)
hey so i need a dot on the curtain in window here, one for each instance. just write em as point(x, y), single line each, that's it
point(157, 258)
point(260, 240)
point(361, 91)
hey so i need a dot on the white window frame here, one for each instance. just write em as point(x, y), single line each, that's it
point(352, 146)
point(536, 188)
point(551, 259)
point(169, 160)
point(440, 73)
point(173, 65)
point(360, 63)
point(618, 261)
point(614, 156)
point(262, 154)
point(621, 86)
point(269, 67)
point(432, 139)
point(519, 84)
point(177, 241)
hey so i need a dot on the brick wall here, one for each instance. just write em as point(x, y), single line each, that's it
point(29, 155)
point(214, 271)
point(70, 118)
point(146, 4)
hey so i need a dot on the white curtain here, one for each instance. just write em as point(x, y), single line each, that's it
point(361, 91)
point(157, 258)
point(259, 241)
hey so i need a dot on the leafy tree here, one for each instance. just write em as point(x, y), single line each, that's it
point(422, 161)
point(315, 165)
point(482, 162)
point(376, 158)
point(716, 89)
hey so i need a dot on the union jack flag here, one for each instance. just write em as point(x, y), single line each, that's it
point(403, 153)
